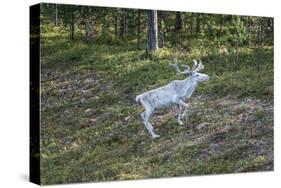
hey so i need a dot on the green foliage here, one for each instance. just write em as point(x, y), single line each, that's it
point(239, 30)
point(242, 83)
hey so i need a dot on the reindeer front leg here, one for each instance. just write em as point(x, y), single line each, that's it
point(185, 108)
point(180, 103)
point(176, 100)
point(179, 114)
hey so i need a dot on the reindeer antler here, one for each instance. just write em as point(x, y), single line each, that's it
point(176, 66)
point(195, 68)
point(195, 64)
point(199, 67)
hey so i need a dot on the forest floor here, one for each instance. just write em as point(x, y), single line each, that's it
point(91, 128)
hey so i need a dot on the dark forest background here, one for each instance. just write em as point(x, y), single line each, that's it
point(152, 29)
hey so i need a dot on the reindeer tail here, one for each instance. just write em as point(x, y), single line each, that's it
point(138, 98)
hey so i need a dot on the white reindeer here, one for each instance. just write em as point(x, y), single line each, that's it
point(173, 93)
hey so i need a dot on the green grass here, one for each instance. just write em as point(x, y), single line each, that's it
point(91, 128)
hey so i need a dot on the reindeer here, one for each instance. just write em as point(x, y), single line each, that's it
point(173, 93)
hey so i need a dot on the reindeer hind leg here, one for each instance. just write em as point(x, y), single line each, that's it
point(146, 115)
point(143, 116)
point(148, 126)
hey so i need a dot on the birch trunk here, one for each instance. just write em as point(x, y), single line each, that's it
point(89, 29)
point(152, 31)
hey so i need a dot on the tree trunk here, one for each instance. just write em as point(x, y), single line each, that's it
point(198, 28)
point(271, 30)
point(237, 51)
point(138, 40)
point(178, 23)
point(72, 24)
point(260, 40)
point(191, 24)
point(122, 26)
point(56, 14)
point(249, 31)
point(125, 25)
point(162, 30)
point(89, 29)
point(116, 26)
point(261, 33)
point(221, 25)
point(152, 31)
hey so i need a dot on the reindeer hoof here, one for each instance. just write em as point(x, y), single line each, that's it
point(180, 123)
point(155, 136)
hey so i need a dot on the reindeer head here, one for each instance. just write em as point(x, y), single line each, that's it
point(193, 72)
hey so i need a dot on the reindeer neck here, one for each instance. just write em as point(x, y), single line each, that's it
point(190, 81)
point(189, 86)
